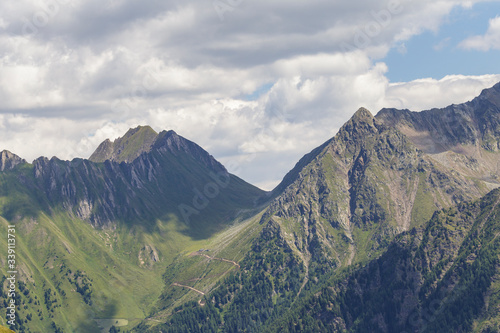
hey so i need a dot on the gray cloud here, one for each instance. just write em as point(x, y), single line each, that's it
point(96, 68)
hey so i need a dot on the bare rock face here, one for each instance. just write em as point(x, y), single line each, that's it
point(9, 161)
point(475, 123)
point(471, 130)
point(148, 256)
point(383, 175)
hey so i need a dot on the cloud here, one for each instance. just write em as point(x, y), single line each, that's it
point(251, 138)
point(94, 69)
point(490, 40)
point(424, 94)
point(60, 53)
point(444, 43)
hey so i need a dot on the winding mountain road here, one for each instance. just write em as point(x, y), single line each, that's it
point(198, 279)
point(220, 259)
point(183, 286)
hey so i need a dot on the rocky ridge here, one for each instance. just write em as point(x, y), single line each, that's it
point(383, 175)
point(140, 177)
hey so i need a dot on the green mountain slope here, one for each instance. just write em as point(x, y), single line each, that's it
point(176, 177)
point(340, 207)
point(441, 278)
point(362, 188)
point(94, 239)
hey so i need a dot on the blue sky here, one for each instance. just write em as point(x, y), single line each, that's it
point(436, 54)
point(256, 83)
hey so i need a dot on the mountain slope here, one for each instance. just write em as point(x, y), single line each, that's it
point(441, 278)
point(380, 175)
point(364, 186)
point(475, 123)
point(340, 206)
point(95, 238)
point(173, 176)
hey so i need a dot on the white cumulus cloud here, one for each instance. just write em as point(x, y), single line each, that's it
point(490, 40)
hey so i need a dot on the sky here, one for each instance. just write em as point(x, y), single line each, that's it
point(258, 84)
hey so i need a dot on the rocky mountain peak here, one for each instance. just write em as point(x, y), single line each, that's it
point(363, 115)
point(361, 120)
point(357, 130)
point(127, 148)
point(9, 161)
point(360, 127)
point(170, 141)
point(143, 139)
point(491, 94)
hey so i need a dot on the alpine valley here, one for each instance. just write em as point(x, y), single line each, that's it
point(392, 225)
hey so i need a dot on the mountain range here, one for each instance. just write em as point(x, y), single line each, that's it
point(389, 226)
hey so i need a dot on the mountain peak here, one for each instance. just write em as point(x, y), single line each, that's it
point(172, 142)
point(362, 115)
point(361, 124)
point(9, 161)
point(140, 130)
point(357, 129)
point(143, 139)
point(361, 119)
point(127, 148)
point(491, 94)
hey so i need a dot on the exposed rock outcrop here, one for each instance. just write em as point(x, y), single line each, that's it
point(9, 161)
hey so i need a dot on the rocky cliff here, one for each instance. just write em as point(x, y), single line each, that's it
point(9, 161)
point(360, 189)
point(464, 137)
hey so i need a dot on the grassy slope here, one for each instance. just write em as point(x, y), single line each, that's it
point(49, 248)
point(58, 252)
point(200, 272)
